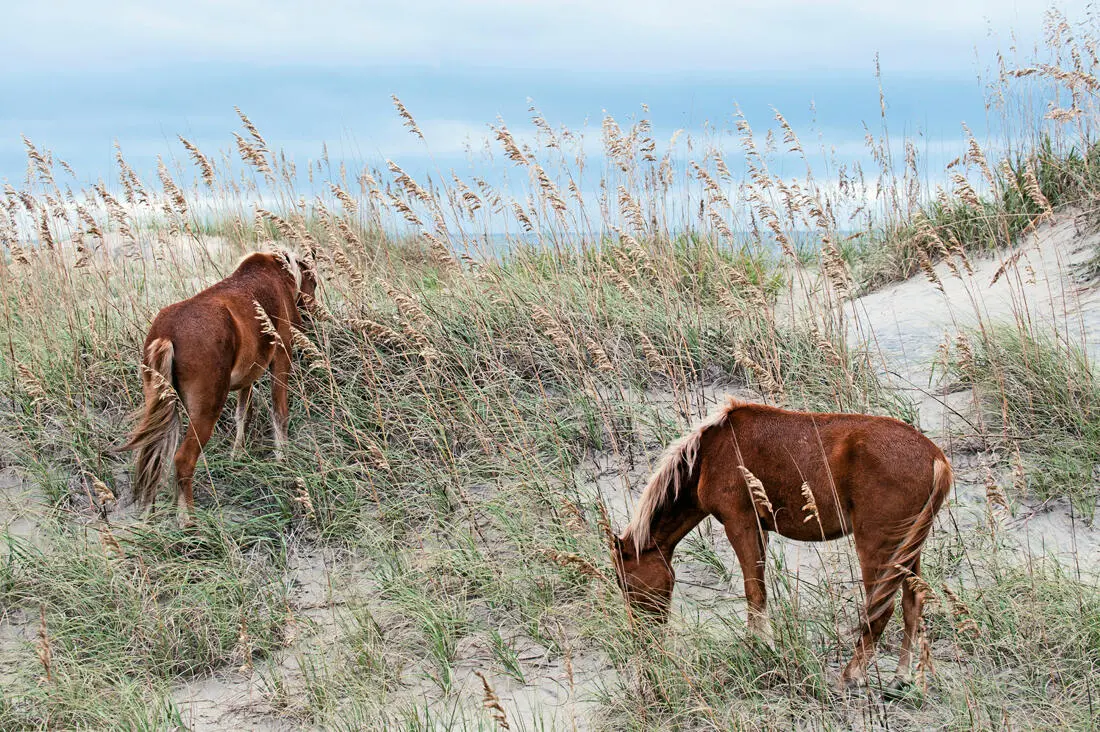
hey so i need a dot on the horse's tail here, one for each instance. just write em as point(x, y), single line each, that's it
point(157, 433)
point(677, 467)
point(899, 565)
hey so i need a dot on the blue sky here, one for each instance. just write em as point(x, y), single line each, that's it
point(79, 76)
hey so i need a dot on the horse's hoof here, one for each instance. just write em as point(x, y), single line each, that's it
point(899, 688)
point(851, 684)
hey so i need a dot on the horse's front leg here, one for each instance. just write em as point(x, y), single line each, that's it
point(750, 542)
point(280, 405)
point(244, 416)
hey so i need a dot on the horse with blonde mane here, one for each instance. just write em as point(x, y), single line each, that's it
point(807, 476)
point(198, 350)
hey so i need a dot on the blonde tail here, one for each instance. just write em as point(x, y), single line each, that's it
point(157, 433)
point(882, 597)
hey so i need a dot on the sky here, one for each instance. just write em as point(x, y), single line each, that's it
point(80, 76)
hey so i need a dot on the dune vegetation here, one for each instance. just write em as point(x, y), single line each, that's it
point(493, 370)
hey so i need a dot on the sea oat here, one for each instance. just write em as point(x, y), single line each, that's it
point(104, 495)
point(966, 192)
point(206, 168)
point(553, 330)
point(630, 210)
point(1006, 265)
point(109, 541)
point(759, 495)
point(409, 122)
point(522, 217)
point(317, 359)
point(994, 495)
point(918, 585)
point(929, 269)
point(378, 458)
point(511, 149)
point(1031, 184)
point(491, 702)
point(376, 331)
point(599, 356)
point(574, 561)
point(763, 375)
point(350, 204)
point(303, 499)
point(975, 155)
point(406, 211)
point(964, 622)
point(244, 650)
point(171, 190)
point(410, 186)
point(924, 664)
point(43, 647)
point(810, 508)
point(266, 326)
point(652, 355)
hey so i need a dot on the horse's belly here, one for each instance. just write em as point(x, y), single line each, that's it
point(247, 369)
point(824, 524)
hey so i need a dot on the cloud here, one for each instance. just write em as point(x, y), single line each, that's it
point(612, 35)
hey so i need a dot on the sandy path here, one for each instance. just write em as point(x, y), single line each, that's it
point(906, 322)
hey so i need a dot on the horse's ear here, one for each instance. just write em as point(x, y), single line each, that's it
point(309, 262)
point(618, 545)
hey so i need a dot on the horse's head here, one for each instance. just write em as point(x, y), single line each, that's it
point(308, 289)
point(304, 272)
point(645, 577)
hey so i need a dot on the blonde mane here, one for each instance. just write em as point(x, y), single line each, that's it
point(664, 485)
point(291, 264)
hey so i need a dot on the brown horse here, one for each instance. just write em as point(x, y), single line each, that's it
point(810, 477)
point(198, 350)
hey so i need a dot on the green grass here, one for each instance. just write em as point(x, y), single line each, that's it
point(1066, 177)
point(126, 614)
point(1043, 396)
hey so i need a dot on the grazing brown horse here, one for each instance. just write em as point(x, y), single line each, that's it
point(222, 339)
point(810, 477)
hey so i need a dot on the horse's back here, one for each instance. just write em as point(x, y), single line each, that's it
point(849, 461)
point(218, 334)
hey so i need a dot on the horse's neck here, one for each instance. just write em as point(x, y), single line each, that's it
point(673, 522)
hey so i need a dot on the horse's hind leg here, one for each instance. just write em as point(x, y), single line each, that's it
point(203, 410)
point(911, 603)
point(872, 557)
point(244, 416)
point(750, 543)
